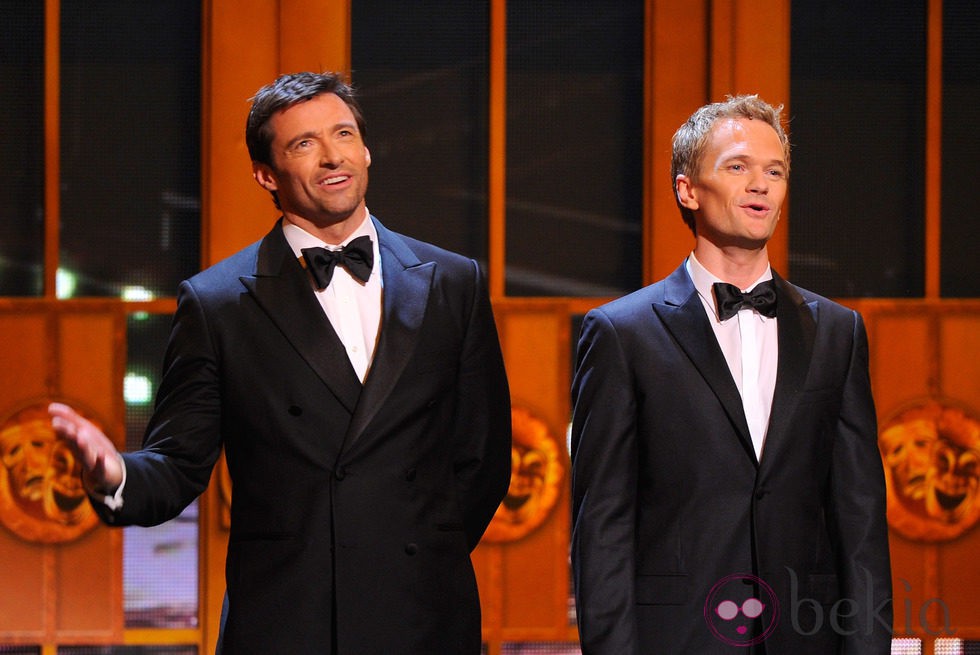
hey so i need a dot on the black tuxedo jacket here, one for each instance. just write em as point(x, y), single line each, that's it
point(672, 511)
point(355, 509)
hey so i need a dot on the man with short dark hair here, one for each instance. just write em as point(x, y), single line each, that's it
point(355, 380)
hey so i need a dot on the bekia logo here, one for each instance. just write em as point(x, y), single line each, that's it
point(741, 610)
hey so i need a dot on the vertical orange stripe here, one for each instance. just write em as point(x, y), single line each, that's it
point(497, 180)
point(721, 50)
point(326, 49)
point(52, 143)
point(676, 81)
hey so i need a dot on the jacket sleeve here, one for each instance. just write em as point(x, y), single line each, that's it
point(482, 423)
point(183, 437)
point(857, 510)
point(604, 484)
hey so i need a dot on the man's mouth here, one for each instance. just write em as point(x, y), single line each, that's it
point(337, 179)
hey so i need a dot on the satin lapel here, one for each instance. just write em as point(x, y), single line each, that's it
point(683, 314)
point(282, 289)
point(797, 324)
point(406, 293)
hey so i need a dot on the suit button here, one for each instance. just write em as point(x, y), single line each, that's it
point(340, 473)
point(410, 475)
point(760, 493)
point(411, 549)
point(295, 410)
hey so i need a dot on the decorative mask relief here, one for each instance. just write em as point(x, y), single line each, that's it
point(536, 472)
point(931, 453)
point(41, 494)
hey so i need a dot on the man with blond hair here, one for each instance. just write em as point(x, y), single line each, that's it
point(728, 493)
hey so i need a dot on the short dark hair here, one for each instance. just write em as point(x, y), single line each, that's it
point(691, 138)
point(286, 91)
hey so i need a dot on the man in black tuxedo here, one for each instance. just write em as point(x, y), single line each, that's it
point(355, 380)
point(728, 493)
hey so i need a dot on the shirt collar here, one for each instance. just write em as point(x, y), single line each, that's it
point(298, 238)
point(703, 279)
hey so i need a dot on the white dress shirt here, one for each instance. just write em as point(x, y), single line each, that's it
point(353, 307)
point(749, 342)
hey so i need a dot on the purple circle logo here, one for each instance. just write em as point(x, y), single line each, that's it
point(741, 610)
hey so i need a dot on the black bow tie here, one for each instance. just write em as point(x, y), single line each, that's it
point(729, 299)
point(357, 256)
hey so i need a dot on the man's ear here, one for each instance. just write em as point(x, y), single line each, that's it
point(264, 176)
point(367, 155)
point(687, 196)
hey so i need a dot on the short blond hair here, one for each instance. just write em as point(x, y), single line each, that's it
point(691, 138)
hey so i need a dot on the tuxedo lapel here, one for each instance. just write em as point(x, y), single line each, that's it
point(796, 325)
point(282, 289)
point(406, 292)
point(684, 316)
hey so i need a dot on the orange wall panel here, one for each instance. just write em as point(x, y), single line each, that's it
point(911, 577)
point(959, 350)
point(902, 359)
point(535, 577)
point(958, 585)
point(69, 589)
point(22, 361)
point(530, 596)
point(537, 355)
point(88, 586)
point(23, 599)
point(23, 566)
point(959, 380)
point(89, 348)
point(921, 351)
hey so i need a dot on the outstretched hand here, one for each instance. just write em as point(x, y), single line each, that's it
point(101, 466)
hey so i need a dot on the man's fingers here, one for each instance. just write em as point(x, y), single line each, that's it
point(63, 414)
point(65, 421)
point(92, 447)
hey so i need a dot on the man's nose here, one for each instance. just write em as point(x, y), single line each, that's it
point(330, 155)
point(758, 183)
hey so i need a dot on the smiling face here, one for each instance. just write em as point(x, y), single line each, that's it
point(740, 186)
point(319, 164)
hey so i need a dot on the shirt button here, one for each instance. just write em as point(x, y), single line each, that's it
point(411, 549)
